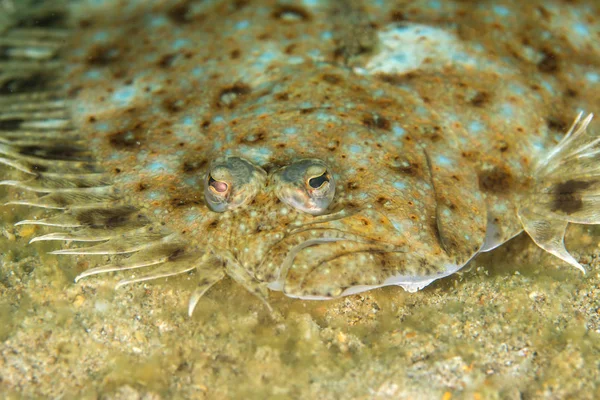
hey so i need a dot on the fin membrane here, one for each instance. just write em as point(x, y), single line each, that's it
point(566, 189)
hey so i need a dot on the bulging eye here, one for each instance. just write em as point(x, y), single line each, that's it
point(306, 185)
point(232, 182)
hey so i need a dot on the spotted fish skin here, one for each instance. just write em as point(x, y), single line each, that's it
point(431, 129)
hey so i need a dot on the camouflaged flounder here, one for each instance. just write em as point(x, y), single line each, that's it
point(319, 148)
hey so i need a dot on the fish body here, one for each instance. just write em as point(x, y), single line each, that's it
point(193, 128)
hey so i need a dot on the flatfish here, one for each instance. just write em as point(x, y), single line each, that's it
point(318, 148)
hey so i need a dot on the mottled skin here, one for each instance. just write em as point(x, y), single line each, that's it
point(431, 163)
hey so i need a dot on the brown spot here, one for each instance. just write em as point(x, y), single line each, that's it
point(376, 121)
point(331, 78)
point(566, 196)
point(290, 13)
point(179, 13)
point(186, 200)
point(191, 166)
point(213, 224)
point(352, 185)
point(397, 16)
point(557, 124)
point(177, 253)
point(166, 61)
point(332, 146)
point(406, 167)
point(572, 93)
point(128, 139)
point(254, 138)
point(480, 99)
point(172, 105)
point(205, 124)
point(282, 96)
point(549, 63)
point(101, 56)
point(230, 95)
point(235, 54)
point(141, 187)
point(496, 180)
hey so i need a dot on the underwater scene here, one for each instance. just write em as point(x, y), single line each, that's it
point(311, 199)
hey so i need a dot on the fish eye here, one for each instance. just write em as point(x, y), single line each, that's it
point(232, 182)
point(306, 185)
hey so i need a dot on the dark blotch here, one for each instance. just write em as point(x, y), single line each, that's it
point(566, 196)
point(53, 19)
point(549, 63)
point(32, 83)
point(496, 180)
point(106, 218)
point(10, 124)
point(59, 151)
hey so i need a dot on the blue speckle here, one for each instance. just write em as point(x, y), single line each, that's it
point(290, 131)
point(475, 127)
point(218, 119)
point(400, 58)
point(266, 57)
point(158, 21)
point(398, 131)
point(356, 149)
point(263, 151)
point(581, 29)
point(447, 212)
point(435, 4)
point(516, 89)
point(397, 225)
point(326, 35)
point(593, 77)
point(93, 74)
point(295, 60)
point(444, 161)
point(506, 110)
point(100, 37)
point(501, 10)
point(197, 71)
point(154, 195)
point(548, 87)
point(242, 25)
point(399, 185)
point(157, 166)
point(102, 127)
point(188, 121)
point(181, 43)
point(124, 95)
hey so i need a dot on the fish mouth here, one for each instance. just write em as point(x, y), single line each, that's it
point(328, 258)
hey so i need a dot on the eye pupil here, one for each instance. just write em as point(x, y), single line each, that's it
point(318, 181)
point(220, 187)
